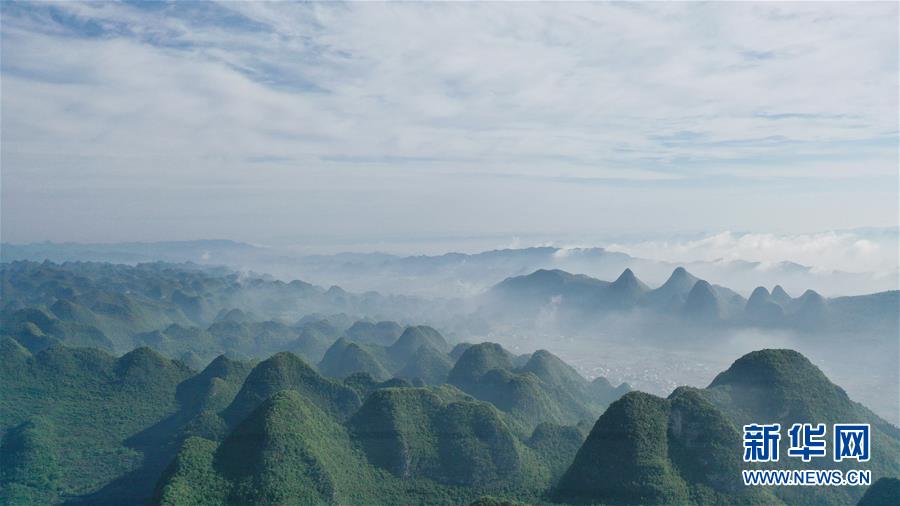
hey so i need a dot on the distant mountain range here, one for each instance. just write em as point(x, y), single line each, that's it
point(447, 275)
point(190, 312)
point(195, 313)
point(582, 298)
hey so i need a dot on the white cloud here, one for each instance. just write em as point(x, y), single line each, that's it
point(252, 96)
point(848, 251)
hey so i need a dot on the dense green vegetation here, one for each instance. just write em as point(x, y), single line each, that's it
point(29, 467)
point(344, 358)
point(687, 448)
point(184, 311)
point(218, 398)
point(279, 432)
point(649, 450)
point(883, 492)
point(419, 353)
point(556, 445)
point(444, 435)
point(544, 389)
point(403, 446)
point(287, 371)
point(427, 364)
point(78, 417)
point(783, 386)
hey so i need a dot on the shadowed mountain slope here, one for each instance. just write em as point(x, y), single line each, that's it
point(687, 449)
point(649, 450)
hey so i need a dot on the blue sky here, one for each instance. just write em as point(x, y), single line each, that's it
point(313, 122)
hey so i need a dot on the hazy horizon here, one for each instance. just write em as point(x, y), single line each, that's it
point(833, 263)
point(870, 249)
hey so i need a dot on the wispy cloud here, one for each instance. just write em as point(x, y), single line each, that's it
point(858, 251)
point(175, 94)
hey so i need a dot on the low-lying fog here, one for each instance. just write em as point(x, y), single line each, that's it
point(656, 356)
point(865, 368)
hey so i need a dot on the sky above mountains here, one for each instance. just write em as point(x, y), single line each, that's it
point(311, 122)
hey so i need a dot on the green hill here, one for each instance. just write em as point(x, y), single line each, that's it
point(553, 371)
point(311, 344)
point(544, 389)
point(287, 371)
point(485, 371)
point(191, 477)
point(574, 393)
point(783, 386)
point(442, 435)
point(380, 333)
point(556, 445)
point(344, 358)
point(202, 397)
point(186, 342)
point(649, 450)
point(420, 352)
point(91, 403)
point(106, 305)
point(287, 451)
point(414, 338)
point(687, 449)
point(37, 329)
point(427, 364)
point(476, 361)
point(883, 492)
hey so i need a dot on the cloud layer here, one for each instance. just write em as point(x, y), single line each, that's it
point(266, 121)
point(857, 251)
